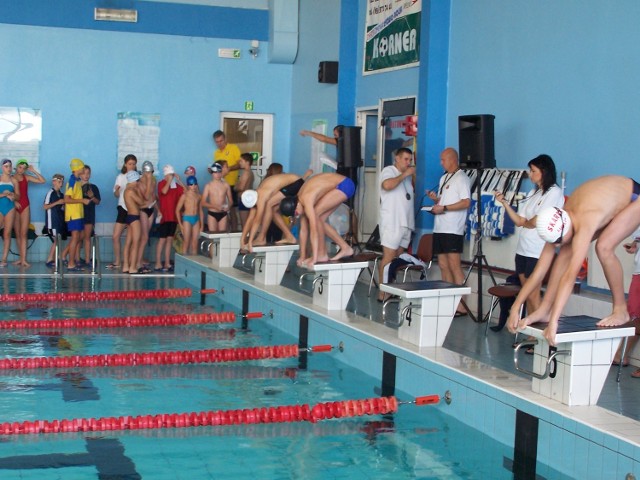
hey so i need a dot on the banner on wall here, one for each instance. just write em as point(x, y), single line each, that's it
point(139, 134)
point(20, 134)
point(392, 35)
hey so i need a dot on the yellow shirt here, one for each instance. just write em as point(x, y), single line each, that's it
point(231, 154)
point(74, 211)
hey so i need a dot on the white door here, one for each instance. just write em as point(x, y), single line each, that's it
point(253, 133)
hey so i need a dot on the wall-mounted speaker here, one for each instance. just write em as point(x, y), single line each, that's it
point(328, 72)
point(475, 137)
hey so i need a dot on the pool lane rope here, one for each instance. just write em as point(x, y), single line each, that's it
point(60, 297)
point(182, 357)
point(127, 322)
point(262, 415)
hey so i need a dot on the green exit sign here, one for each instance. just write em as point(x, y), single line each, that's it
point(248, 106)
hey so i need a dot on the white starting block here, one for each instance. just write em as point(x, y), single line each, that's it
point(271, 262)
point(437, 302)
point(333, 282)
point(221, 247)
point(575, 370)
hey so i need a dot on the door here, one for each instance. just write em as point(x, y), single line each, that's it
point(368, 214)
point(253, 133)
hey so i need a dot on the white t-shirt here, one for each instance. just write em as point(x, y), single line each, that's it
point(530, 244)
point(395, 209)
point(453, 187)
point(121, 181)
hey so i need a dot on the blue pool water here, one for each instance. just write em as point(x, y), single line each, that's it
point(416, 442)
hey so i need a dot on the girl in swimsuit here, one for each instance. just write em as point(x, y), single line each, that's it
point(9, 193)
point(25, 173)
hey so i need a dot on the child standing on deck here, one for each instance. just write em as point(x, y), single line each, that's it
point(188, 213)
point(217, 198)
point(54, 216)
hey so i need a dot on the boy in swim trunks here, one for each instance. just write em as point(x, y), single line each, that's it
point(216, 198)
point(134, 201)
point(318, 198)
point(604, 208)
point(271, 192)
point(74, 211)
point(245, 182)
point(188, 213)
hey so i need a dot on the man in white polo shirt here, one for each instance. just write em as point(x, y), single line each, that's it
point(452, 202)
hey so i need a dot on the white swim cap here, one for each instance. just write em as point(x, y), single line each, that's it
point(552, 224)
point(168, 170)
point(132, 176)
point(249, 198)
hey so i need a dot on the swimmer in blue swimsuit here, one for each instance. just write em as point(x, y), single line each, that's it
point(318, 198)
point(6, 200)
point(7, 209)
point(191, 219)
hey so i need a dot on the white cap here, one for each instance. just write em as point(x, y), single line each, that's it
point(168, 170)
point(552, 224)
point(249, 198)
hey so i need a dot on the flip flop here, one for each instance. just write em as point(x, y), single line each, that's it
point(459, 314)
point(636, 374)
point(112, 266)
point(616, 363)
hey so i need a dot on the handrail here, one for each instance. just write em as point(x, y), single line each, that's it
point(547, 371)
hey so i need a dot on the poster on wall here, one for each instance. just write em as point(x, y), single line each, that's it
point(139, 134)
point(20, 134)
point(392, 35)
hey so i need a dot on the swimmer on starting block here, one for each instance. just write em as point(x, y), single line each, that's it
point(264, 203)
point(318, 198)
point(604, 208)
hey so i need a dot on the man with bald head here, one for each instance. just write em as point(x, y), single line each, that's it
point(451, 203)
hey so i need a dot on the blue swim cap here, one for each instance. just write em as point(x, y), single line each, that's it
point(191, 180)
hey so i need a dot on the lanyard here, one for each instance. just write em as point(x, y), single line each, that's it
point(446, 180)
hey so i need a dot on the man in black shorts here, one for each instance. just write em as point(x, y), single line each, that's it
point(452, 201)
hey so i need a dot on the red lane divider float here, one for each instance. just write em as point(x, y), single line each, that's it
point(158, 358)
point(281, 414)
point(206, 291)
point(122, 322)
point(96, 296)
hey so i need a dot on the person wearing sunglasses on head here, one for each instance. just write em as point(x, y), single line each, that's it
point(605, 209)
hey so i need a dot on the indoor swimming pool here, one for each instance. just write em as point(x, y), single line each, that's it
point(430, 441)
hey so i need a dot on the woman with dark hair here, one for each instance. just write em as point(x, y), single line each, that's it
point(129, 164)
point(546, 193)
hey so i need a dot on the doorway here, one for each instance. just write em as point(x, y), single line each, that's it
point(253, 133)
point(382, 134)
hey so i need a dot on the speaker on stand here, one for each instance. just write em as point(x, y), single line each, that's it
point(477, 151)
point(349, 160)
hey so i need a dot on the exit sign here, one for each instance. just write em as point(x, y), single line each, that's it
point(248, 106)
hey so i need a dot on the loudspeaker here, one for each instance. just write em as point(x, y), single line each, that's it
point(475, 136)
point(328, 72)
point(349, 150)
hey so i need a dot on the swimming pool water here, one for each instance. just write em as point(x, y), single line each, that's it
point(416, 442)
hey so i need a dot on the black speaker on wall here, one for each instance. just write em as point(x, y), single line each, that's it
point(475, 137)
point(328, 72)
point(349, 149)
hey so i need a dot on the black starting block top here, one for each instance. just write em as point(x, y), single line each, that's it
point(425, 288)
point(580, 327)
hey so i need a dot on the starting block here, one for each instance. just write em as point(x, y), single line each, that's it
point(271, 262)
point(575, 370)
point(333, 282)
point(221, 247)
point(437, 302)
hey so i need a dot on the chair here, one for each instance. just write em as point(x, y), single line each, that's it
point(425, 253)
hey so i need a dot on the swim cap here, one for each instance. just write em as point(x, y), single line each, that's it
point(133, 176)
point(215, 168)
point(249, 198)
point(168, 170)
point(288, 206)
point(191, 180)
point(147, 166)
point(22, 161)
point(5, 161)
point(552, 224)
point(190, 170)
point(76, 164)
